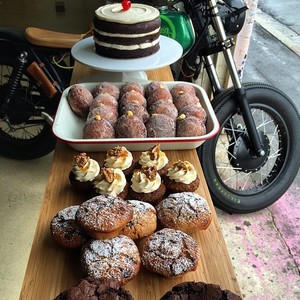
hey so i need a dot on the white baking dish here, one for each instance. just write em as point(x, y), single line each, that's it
point(67, 127)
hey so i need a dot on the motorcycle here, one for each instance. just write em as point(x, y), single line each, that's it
point(253, 160)
point(35, 67)
point(248, 165)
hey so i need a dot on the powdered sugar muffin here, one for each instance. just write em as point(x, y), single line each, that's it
point(186, 211)
point(65, 231)
point(119, 157)
point(155, 157)
point(117, 258)
point(181, 177)
point(144, 220)
point(170, 252)
point(146, 185)
point(84, 171)
point(112, 182)
point(103, 216)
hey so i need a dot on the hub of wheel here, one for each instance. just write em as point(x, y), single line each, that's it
point(241, 156)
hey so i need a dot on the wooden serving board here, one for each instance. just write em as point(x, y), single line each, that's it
point(52, 269)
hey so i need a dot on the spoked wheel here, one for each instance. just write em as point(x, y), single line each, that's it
point(239, 181)
point(24, 133)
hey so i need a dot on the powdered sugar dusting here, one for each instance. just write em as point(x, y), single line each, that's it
point(116, 257)
point(170, 252)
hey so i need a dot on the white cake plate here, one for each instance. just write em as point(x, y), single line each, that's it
point(122, 70)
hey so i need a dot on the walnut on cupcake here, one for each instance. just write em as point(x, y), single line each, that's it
point(155, 157)
point(181, 177)
point(146, 185)
point(112, 182)
point(84, 171)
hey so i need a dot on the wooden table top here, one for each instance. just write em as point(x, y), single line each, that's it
point(52, 269)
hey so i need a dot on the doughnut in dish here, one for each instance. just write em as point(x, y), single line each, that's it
point(132, 86)
point(186, 99)
point(170, 253)
point(106, 87)
point(185, 211)
point(159, 94)
point(79, 99)
point(130, 126)
point(182, 88)
point(98, 128)
point(105, 112)
point(138, 110)
point(194, 110)
point(104, 99)
point(160, 125)
point(164, 107)
point(113, 258)
point(189, 126)
point(132, 97)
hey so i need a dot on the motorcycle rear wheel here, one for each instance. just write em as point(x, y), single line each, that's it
point(23, 136)
point(240, 182)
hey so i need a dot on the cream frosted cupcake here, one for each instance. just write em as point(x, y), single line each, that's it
point(146, 185)
point(181, 177)
point(119, 158)
point(83, 172)
point(154, 157)
point(111, 182)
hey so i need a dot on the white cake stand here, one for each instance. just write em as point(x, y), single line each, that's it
point(123, 70)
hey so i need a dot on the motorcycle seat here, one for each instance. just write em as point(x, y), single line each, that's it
point(52, 39)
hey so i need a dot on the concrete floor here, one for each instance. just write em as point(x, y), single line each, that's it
point(264, 246)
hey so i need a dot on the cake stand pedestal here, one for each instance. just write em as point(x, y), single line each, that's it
point(124, 70)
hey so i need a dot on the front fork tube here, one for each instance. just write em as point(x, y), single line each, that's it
point(240, 92)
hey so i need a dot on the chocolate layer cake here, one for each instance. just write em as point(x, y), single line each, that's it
point(131, 33)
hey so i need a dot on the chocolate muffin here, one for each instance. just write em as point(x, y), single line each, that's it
point(200, 291)
point(170, 253)
point(95, 289)
point(160, 125)
point(189, 126)
point(113, 258)
point(98, 128)
point(106, 87)
point(185, 211)
point(65, 231)
point(79, 99)
point(103, 216)
point(130, 126)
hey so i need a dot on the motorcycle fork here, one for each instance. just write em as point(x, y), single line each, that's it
point(240, 92)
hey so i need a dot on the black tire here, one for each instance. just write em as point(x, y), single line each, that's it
point(234, 187)
point(23, 137)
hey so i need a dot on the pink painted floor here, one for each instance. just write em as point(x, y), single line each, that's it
point(265, 248)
